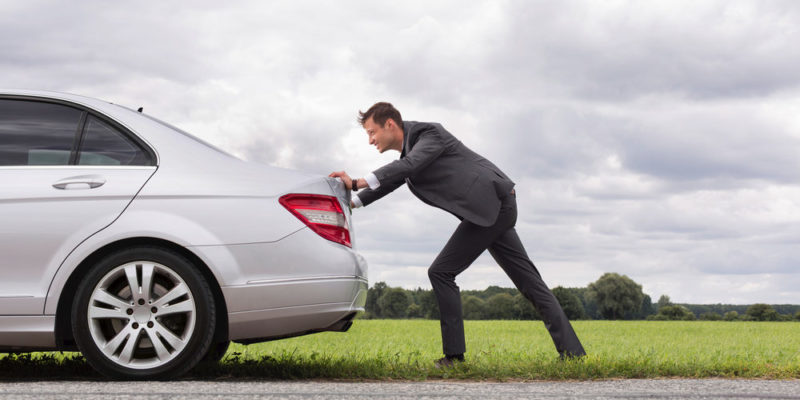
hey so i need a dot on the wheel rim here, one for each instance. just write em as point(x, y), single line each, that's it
point(141, 315)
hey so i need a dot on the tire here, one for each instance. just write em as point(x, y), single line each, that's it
point(158, 330)
point(216, 352)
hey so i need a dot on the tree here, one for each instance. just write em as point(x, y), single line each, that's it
point(762, 312)
point(710, 316)
point(499, 306)
point(797, 316)
point(663, 301)
point(589, 305)
point(373, 294)
point(413, 311)
point(731, 316)
point(493, 290)
point(616, 295)
point(394, 302)
point(569, 302)
point(524, 309)
point(674, 313)
point(473, 307)
point(429, 308)
point(647, 307)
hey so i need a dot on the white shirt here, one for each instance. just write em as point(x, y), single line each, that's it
point(372, 182)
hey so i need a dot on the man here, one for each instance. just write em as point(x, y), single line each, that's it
point(444, 173)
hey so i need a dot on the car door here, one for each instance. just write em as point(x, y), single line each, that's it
point(65, 174)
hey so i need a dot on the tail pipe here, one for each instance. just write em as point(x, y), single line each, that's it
point(343, 324)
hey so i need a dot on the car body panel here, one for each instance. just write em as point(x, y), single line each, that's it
point(27, 332)
point(58, 219)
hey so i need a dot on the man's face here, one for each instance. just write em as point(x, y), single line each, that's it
point(380, 136)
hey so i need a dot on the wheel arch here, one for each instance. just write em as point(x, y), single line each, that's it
point(63, 324)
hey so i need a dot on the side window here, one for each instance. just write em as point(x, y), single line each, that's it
point(102, 144)
point(35, 133)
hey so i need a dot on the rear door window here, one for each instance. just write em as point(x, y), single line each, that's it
point(102, 144)
point(35, 133)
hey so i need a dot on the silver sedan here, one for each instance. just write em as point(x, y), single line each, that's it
point(149, 250)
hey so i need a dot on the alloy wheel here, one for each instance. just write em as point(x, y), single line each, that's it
point(141, 315)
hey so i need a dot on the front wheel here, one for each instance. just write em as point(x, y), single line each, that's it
point(143, 313)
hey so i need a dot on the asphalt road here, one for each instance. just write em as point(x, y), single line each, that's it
point(616, 389)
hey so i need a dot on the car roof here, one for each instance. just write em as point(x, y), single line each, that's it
point(160, 136)
point(74, 98)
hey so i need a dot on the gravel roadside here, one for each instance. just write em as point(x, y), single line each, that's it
point(612, 389)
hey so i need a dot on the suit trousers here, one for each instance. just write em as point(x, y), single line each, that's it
point(465, 245)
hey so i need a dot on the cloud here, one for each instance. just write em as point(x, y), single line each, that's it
point(622, 50)
point(657, 140)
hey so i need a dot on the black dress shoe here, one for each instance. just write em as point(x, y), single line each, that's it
point(447, 362)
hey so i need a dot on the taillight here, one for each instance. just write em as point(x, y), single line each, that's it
point(322, 214)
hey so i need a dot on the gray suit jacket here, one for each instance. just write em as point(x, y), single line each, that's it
point(444, 173)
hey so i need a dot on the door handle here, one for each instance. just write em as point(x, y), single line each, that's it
point(80, 182)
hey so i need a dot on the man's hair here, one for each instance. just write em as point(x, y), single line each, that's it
point(380, 113)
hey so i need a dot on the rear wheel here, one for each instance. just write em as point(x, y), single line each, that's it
point(143, 313)
point(216, 352)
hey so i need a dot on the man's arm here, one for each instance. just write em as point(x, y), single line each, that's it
point(428, 146)
point(375, 191)
point(367, 196)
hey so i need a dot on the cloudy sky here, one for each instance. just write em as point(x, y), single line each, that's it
point(659, 140)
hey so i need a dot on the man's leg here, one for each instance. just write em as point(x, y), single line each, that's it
point(508, 251)
point(465, 245)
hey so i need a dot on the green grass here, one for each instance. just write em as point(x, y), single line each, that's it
point(496, 350)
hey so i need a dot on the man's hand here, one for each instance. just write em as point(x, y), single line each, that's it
point(348, 182)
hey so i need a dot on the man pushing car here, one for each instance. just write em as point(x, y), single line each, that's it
point(442, 172)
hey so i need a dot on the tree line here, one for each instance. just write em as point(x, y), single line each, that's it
point(612, 297)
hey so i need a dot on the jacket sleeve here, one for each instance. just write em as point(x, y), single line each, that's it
point(429, 145)
point(367, 196)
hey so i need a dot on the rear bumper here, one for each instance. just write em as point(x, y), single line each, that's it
point(297, 284)
point(264, 310)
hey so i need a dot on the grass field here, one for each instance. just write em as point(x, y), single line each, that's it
point(496, 350)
